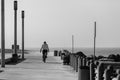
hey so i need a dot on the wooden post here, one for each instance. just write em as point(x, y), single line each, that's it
point(23, 34)
point(15, 55)
point(94, 39)
point(2, 34)
point(15, 27)
point(72, 43)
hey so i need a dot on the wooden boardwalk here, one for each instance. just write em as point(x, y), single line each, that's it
point(34, 69)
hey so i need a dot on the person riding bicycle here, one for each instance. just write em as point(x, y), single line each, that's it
point(44, 49)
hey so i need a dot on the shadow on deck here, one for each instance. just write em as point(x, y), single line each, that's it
point(15, 63)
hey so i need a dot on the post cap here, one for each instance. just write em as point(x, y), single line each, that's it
point(23, 14)
point(15, 5)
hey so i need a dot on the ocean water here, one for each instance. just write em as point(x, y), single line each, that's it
point(99, 51)
point(89, 51)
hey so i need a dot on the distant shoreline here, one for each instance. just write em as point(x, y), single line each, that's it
point(19, 51)
point(105, 51)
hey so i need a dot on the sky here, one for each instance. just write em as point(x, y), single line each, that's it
point(55, 21)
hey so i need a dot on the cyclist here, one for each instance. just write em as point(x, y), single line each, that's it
point(44, 49)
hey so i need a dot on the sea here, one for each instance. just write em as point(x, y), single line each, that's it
point(87, 51)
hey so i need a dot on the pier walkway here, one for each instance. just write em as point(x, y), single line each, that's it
point(34, 69)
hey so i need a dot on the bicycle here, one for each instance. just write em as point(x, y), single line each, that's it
point(44, 57)
point(44, 49)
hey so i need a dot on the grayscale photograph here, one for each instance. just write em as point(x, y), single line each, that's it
point(60, 40)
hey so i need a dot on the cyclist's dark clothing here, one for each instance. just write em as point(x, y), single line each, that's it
point(45, 52)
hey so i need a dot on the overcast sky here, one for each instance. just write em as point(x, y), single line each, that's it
point(55, 21)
